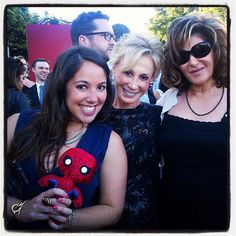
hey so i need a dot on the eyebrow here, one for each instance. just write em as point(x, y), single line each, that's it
point(103, 82)
point(131, 70)
point(86, 82)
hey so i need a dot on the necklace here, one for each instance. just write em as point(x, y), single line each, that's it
point(204, 114)
point(76, 137)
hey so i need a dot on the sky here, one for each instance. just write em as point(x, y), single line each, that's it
point(135, 18)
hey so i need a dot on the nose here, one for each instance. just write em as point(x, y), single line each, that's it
point(92, 96)
point(133, 84)
point(193, 60)
point(45, 70)
point(112, 41)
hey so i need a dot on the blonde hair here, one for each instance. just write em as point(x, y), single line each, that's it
point(132, 46)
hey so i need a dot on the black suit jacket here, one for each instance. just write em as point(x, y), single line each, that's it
point(32, 94)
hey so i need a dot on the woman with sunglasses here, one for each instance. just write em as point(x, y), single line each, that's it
point(194, 134)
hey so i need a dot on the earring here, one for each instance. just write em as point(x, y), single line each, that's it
point(113, 77)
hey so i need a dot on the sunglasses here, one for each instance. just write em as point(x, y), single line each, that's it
point(107, 36)
point(198, 51)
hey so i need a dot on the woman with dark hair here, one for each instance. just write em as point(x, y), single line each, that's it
point(16, 100)
point(77, 99)
point(194, 134)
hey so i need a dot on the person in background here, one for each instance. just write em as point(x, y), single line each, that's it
point(77, 100)
point(136, 60)
point(154, 91)
point(120, 30)
point(151, 96)
point(16, 100)
point(27, 82)
point(194, 137)
point(93, 30)
point(40, 68)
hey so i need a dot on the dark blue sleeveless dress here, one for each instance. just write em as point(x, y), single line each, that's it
point(94, 141)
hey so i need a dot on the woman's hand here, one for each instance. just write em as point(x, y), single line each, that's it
point(62, 219)
point(28, 83)
point(35, 209)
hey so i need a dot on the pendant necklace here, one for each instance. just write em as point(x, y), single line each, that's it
point(76, 137)
point(204, 114)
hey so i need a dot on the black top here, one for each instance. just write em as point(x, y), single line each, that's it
point(195, 173)
point(32, 94)
point(16, 102)
point(139, 129)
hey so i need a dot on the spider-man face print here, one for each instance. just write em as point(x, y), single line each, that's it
point(78, 165)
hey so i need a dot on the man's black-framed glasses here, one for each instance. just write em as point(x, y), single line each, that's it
point(107, 36)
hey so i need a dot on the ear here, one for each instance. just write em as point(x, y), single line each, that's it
point(84, 41)
point(152, 79)
point(114, 69)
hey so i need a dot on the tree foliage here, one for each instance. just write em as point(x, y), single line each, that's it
point(165, 15)
point(17, 17)
point(15, 34)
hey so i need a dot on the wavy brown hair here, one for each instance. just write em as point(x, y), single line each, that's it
point(47, 133)
point(179, 31)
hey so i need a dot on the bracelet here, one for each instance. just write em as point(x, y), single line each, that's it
point(72, 218)
point(16, 209)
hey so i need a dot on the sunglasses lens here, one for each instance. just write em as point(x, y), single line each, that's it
point(184, 57)
point(201, 50)
point(198, 51)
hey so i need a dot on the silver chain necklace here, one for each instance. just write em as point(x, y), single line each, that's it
point(76, 137)
point(204, 114)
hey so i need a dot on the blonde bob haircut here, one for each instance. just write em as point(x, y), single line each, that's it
point(129, 49)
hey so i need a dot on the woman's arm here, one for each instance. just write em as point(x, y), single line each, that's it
point(113, 178)
point(35, 210)
point(11, 126)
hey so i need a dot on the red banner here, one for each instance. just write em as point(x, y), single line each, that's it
point(46, 41)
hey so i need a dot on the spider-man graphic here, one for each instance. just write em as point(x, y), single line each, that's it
point(77, 166)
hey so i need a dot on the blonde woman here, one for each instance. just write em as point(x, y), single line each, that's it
point(136, 61)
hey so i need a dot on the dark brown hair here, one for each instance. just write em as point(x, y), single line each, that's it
point(180, 31)
point(47, 132)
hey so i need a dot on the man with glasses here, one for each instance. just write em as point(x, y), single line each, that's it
point(93, 30)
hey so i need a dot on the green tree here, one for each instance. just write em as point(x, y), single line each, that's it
point(165, 15)
point(14, 29)
point(15, 34)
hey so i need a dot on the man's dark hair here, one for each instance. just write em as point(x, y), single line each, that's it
point(84, 23)
point(120, 30)
point(38, 60)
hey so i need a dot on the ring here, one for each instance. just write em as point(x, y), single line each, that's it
point(47, 201)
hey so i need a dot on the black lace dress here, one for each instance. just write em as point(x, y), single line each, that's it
point(139, 128)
